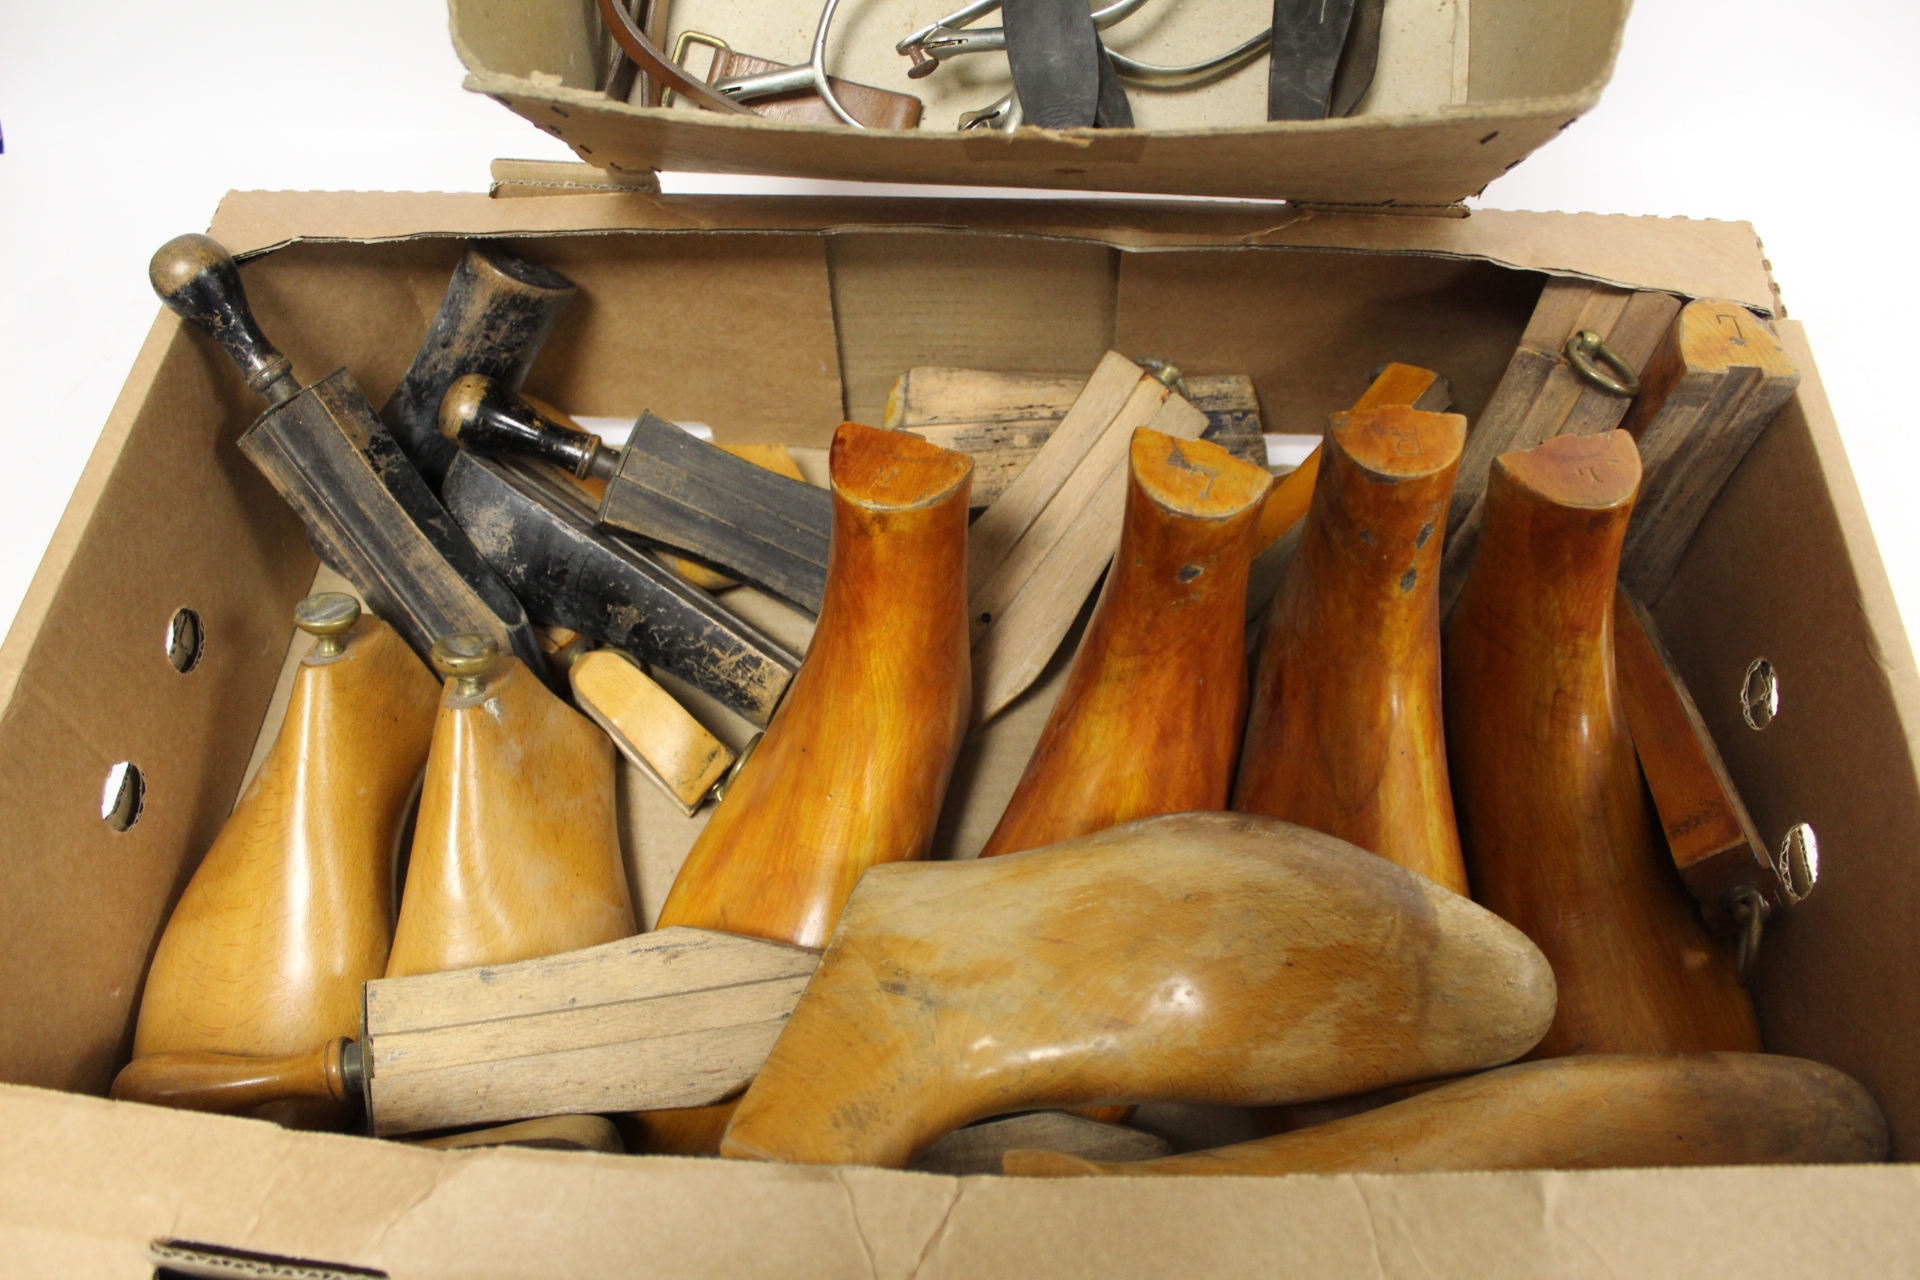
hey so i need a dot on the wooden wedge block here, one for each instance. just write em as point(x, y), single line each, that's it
point(652, 730)
point(1717, 379)
point(1709, 833)
point(1002, 420)
point(1542, 396)
point(1033, 556)
point(980, 1148)
point(674, 1018)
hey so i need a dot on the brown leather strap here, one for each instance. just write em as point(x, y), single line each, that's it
point(657, 65)
point(872, 107)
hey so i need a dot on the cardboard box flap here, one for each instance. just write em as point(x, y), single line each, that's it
point(1462, 94)
point(1696, 258)
point(121, 1176)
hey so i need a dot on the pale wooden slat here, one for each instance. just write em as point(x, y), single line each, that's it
point(1029, 605)
point(673, 1071)
point(514, 1042)
point(993, 536)
point(665, 962)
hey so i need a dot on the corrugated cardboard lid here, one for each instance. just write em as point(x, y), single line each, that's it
point(1462, 95)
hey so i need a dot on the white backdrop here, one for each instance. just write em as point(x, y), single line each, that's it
point(124, 127)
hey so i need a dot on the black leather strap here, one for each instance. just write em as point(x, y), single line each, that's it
point(1308, 36)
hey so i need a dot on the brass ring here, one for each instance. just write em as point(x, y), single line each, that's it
point(720, 788)
point(1751, 908)
point(1584, 348)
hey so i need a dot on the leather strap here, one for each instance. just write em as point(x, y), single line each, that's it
point(1055, 55)
point(1308, 36)
point(661, 68)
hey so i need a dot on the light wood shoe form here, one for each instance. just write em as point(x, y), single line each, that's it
point(292, 907)
point(1604, 1111)
point(515, 852)
point(1197, 957)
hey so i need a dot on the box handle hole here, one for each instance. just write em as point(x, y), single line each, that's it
point(185, 640)
point(124, 797)
point(1799, 863)
point(1760, 694)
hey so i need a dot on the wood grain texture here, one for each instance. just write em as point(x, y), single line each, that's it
point(281, 1086)
point(1401, 384)
point(1558, 834)
point(515, 849)
point(1033, 557)
point(854, 766)
point(292, 907)
point(980, 1148)
point(1709, 833)
point(672, 1018)
point(694, 497)
point(1001, 420)
point(1292, 495)
point(1214, 957)
point(1344, 733)
point(1604, 1111)
point(1541, 396)
point(1149, 720)
point(533, 526)
point(1713, 385)
point(656, 733)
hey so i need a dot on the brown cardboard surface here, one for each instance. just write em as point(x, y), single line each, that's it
point(168, 513)
point(1462, 94)
point(1785, 568)
point(1697, 258)
point(121, 1175)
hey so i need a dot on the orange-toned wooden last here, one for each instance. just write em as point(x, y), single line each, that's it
point(1558, 834)
point(1149, 721)
point(1344, 734)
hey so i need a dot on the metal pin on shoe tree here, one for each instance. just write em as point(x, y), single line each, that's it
point(368, 512)
point(291, 910)
point(515, 850)
point(669, 488)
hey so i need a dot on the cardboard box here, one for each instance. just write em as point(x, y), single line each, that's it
point(1462, 94)
point(770, 319)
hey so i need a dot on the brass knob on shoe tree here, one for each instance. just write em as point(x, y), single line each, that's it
point(467, 659)
point(327, 617)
